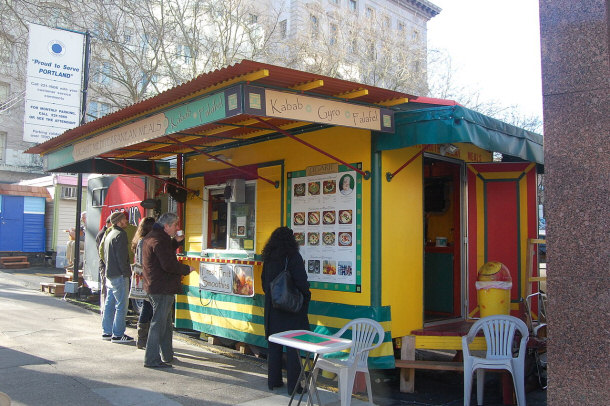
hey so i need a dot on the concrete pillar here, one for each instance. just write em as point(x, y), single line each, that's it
point(576, 97)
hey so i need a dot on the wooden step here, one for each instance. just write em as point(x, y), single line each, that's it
point(56, 289)
point(15, 265)
point(61, 278)
point(4, 260)
point(14, 262)
point(432, 365)
point(68, 277)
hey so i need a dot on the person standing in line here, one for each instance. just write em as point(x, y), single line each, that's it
point(101, 265)
point(130, 229)
point(118, 273)
point(162, 280)
point(146, 224)
point(282, 250)
point(70, 246)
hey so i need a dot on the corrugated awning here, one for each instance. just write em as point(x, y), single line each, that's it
point(454, 124)
point(197, 122)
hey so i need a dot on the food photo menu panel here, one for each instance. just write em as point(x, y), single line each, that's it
point(324, 213)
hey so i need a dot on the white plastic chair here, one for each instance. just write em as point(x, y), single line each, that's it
point(499, 333)
point(367, 335)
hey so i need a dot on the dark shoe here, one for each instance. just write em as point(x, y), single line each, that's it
point(168, 361)
point(275, 385)
point(161, 365)
point(106, 337)
point(125, 339)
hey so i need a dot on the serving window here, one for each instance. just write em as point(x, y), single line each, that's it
point(229, 213)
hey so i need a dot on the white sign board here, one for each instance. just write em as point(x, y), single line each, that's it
point(231, 279)
point(53, 84)
point(323, 218)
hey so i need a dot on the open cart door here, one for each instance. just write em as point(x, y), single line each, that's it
point(502, 215)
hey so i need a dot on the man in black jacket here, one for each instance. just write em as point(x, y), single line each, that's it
point(162, 280)
point(118, 273)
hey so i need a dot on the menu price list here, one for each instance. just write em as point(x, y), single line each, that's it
point(323, 211)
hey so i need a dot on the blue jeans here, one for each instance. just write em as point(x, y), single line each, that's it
point(146, 313)
point(159, 346)
point(115, 307)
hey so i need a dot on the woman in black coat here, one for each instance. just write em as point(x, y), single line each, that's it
point(282, 246)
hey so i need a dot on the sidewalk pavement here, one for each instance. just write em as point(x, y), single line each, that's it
point(51, 353)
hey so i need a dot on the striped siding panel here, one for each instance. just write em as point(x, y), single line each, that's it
point(242, 319)
point(34, 233)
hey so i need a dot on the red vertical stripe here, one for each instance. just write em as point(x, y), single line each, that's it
point(502, 232)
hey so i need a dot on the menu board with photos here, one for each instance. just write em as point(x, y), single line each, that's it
point(324, 213)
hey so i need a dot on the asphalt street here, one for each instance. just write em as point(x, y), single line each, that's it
point(51, 353)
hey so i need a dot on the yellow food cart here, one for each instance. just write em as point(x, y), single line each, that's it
point(395, 199)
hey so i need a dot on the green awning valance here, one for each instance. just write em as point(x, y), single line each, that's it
point(452, 124)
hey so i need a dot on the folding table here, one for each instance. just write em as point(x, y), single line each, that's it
point(313, 344)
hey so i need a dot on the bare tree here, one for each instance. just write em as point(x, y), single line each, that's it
point(354, 48)
point(142, 48)
point(443, 84)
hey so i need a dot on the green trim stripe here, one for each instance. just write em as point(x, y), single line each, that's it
point(376, 220)
point(340, 310)
point(382, 362)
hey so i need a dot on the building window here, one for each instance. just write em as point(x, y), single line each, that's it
point(229, 216)
point(97, 110)
point(415, 35)
point(253, 18)
point(353, 5)
point(387, 23)
point(150, 41)
point(371, 50)
point(283, 28)
point(2, 145)
point(5, 90)
point(102, 73)
point(147, 79)
point(127, 36)
point(370, 13)
point(335, 2)
point(68, 192)
point(353, 46)
point(183, 52)
point(333, 34)
point(6, 50)
point(401, 26)
point(314, 25)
